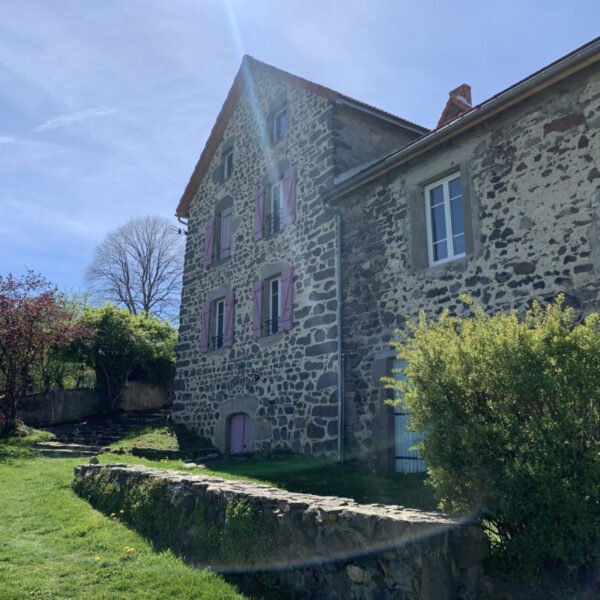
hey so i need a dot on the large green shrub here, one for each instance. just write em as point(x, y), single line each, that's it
point(510, 408)
point(125, 347)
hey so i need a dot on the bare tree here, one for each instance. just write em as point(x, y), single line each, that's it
point(140, 266)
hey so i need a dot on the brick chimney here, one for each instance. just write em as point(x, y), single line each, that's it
point(458, 104)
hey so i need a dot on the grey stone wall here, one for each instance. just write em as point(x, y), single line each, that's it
point(531, 189)
point(59, 406)
point(360, 137)
point(139, 395)
point(319, 547)
point(286, 383)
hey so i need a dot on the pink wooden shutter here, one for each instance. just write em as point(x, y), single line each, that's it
point(204, 327)
point(257, 312)
point(209, 236)
point(289, 196)
point(259, 212)
point(225, 233)
point(287, 299)
point(229, 318)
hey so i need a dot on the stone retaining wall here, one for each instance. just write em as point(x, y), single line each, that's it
point(322, 547)
point(59, 406)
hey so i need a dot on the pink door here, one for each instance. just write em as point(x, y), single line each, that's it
point(240, 433)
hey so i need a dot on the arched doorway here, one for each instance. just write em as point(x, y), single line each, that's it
point(240, 436)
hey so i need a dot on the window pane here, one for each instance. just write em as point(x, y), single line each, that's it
point(455, 188)
point(438, 223)
point(274, 308)
point(459, 244)
point(436, 195)
point(440, 250)
point(456, 213)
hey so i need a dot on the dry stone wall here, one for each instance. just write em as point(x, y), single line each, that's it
point(531, 193)
point(320, 547)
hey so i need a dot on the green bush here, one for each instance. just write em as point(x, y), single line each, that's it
point(510, 408)
point(124, 347)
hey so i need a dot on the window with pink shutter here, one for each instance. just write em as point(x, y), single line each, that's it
point(204, 327)
point(257, 308)
point(287, 299)
point(229, 320)
point(225, 234)
point(209, 234)
point(259, 214)
point(289, 196)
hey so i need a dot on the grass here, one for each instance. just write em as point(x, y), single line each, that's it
point(53, 545)
point(293, 473)
point(162, 437)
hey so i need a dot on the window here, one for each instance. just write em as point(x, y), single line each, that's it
point(445, 220)
point(275, 205)
point(228, 164)
point(274, 214)
point(217, 234)
point(219, 324)
point(274, 306)
point(216, 323)
point(281, 125)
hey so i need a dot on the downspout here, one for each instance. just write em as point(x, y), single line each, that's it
point(340, 351)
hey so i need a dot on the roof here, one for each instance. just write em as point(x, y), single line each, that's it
point(578, 59)
point(214, 139)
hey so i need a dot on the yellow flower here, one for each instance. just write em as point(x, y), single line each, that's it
point(129, 549)
point(122, 511)
point(96, 558)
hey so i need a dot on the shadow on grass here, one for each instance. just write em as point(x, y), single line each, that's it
point(326, 478)
point(163, 436)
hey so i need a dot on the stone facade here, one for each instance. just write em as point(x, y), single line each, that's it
point(531, 199)
point(287, 382)
point(317, 546)
point(531, 207)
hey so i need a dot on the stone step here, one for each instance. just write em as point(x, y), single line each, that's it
point(65, 453)
point(55, 445)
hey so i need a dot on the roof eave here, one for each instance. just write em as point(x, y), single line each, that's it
point(563, 67)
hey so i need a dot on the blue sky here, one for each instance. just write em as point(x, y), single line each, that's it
point(105, 105)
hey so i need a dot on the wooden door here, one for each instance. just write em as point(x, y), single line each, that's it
point(239, 440)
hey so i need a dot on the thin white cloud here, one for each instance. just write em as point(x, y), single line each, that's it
point(77, 117)
point(7, 139)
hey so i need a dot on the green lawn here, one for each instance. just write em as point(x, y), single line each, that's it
point(293, 473)
point(53, 545)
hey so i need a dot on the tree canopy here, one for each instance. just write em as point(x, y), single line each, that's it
point(33, 320)
point(140, 266)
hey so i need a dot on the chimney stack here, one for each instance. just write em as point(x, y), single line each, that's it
point(458, 104)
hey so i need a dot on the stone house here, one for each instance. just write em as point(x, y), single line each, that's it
point(317, 223)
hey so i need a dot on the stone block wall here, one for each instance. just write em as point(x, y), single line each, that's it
point(320, 547)
point(360, 137)
point(286, 382)
point(59, 406)
point(531, 196)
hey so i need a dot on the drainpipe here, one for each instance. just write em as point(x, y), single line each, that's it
point(340, 352)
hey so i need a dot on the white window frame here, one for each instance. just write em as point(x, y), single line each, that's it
point(270, 283)
point(278, 185)
point(228, 164)
point(277, 136)
point(218, 303)
point(447, 216)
